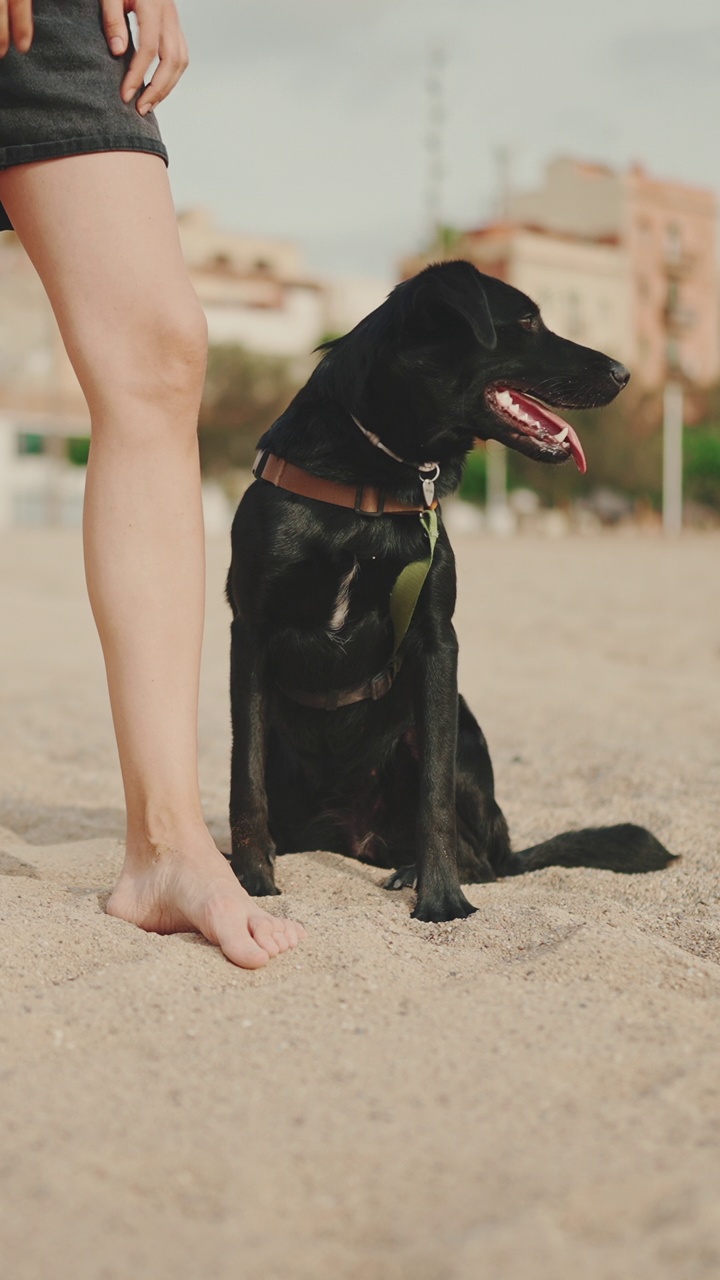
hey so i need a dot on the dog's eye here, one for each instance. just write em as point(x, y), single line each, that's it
point(530, 322)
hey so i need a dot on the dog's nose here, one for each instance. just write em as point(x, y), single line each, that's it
point(619, 373)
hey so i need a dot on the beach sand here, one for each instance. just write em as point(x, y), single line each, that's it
point(531, 1094)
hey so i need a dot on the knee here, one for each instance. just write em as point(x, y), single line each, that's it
point(180, 346)
point(157, 360)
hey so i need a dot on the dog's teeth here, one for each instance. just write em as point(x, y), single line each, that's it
point(505, 399)
point(563, 435)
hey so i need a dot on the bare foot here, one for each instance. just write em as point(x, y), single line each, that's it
point(166, 889)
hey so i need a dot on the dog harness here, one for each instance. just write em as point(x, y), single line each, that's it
point(366, 500)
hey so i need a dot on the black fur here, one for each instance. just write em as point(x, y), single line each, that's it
point(405, 782)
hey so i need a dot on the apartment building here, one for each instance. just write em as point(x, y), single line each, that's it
point(617, 260)
point(581, 285)
point(667, 232)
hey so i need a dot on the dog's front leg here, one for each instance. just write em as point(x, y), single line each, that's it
point(439, 896)
point(253, 850)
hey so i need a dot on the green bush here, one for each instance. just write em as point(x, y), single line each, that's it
point(701, 464)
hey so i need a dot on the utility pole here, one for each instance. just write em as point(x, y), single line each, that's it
point(503, 158)
point(496, 454)
point(435, 143)
point(675, 321)
point(672, 494)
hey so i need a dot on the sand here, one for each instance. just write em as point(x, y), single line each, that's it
point(532, 1094)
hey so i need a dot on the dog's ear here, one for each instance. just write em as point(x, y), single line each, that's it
point(460, 293)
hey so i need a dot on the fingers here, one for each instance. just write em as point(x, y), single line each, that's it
point(148, 16)
point(16, 25)
point(160, 36)
point(115, 26)
point(173, 61)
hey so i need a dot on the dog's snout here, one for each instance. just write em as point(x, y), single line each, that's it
point(619, 373)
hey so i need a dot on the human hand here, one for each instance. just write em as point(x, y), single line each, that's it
point(16, 25)
point(160, 36)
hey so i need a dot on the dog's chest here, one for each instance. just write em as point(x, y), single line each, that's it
point(360, 589)
point(331, 597)
point(341, 603)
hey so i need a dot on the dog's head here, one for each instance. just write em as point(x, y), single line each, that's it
point(454, 355)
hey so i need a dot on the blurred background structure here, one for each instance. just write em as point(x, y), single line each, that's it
point(305, 198)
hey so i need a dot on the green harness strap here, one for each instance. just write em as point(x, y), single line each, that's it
point(409, 583)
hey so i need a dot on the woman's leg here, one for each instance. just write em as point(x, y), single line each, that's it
point(102, 234)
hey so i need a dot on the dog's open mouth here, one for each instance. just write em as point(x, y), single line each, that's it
point(552, 439)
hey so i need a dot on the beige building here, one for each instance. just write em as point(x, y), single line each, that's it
point(256, 293)
point(259, 293)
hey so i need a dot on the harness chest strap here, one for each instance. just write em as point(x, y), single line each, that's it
point(409, 583)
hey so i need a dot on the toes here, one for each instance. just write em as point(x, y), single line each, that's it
point(293, 932)
point(262, 929)
point(246, 953)
point(275, 934)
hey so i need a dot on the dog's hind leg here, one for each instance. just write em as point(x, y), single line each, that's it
point(624, 848)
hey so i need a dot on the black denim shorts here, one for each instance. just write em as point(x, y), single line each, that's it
point(63, 97)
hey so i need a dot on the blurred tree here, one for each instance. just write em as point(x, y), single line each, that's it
point(474, 482)
point(244, 393)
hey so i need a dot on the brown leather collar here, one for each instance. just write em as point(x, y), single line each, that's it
point(367, 500)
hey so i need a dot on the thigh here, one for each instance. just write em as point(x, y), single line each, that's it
point(101, 231)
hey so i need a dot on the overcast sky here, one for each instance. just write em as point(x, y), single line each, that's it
point(307, 119)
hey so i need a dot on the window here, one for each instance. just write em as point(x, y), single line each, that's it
point(673, 242)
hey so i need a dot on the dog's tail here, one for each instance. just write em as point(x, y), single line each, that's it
point(625, 848)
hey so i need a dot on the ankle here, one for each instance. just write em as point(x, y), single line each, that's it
point(162, 829)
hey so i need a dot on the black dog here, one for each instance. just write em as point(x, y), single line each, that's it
point(348, 732)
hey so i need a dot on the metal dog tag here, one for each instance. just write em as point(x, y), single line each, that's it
point(428, 483)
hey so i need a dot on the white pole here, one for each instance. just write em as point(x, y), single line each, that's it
point(7, 460)
point(672, 458)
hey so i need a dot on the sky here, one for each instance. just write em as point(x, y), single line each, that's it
point(308, 119)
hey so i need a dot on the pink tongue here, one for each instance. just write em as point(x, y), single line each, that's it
point(576, 450)
point(556, 424)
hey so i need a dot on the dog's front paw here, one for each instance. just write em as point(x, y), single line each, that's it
point(451, 904)
point(403, 878)
point(258, 881)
